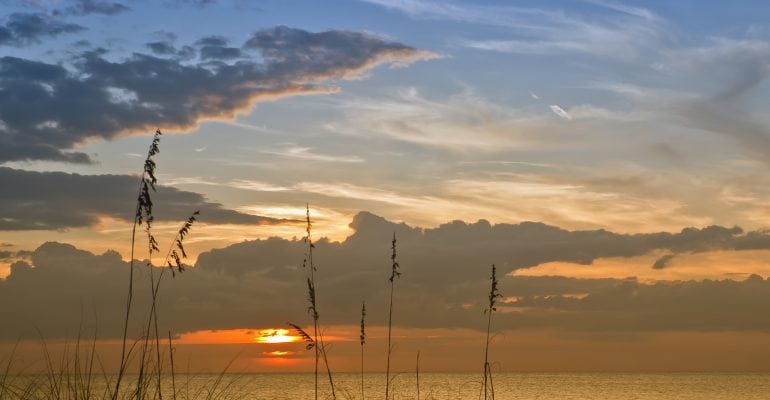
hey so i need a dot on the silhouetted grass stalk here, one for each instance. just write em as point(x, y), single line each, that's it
point(152, 322)
point(320, 348)
point(362, 338)
point(171, 360)
point(144, 216)
point(394, 274)
point(494, 294)
point(143, 211)
point(417, 371)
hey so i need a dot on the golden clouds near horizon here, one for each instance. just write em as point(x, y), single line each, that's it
point(239, 336)
point(660, 265)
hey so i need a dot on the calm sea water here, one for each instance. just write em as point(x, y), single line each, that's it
point(508, 386)
point(514, 386)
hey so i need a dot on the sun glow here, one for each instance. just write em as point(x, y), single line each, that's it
point(276, 336)
point(278, 353)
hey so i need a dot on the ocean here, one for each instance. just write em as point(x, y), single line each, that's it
point(433, 386)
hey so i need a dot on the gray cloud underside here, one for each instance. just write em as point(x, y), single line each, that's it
point(444, 283)
point(22, 29)
point(47, 108)
point(57, 200)
point(86, 7)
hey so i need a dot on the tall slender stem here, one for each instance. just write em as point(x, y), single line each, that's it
point(320, 347)
point(393, 276)
point(418, 375)
point(143, 212)
point(494, 294)
point(129, 301)
point(173, 375)
point(362, 338)
point(313, 309)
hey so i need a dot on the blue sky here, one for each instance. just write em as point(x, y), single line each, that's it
point(593, 114)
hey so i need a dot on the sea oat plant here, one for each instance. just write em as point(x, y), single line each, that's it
point(320, 347)
point(494, 294)
point(394, 274)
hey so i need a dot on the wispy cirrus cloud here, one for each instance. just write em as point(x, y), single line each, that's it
point(713, 87)
point(292, 150)
point(467, 122)
point(621, 32)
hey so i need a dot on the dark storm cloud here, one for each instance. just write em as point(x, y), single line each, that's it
point(444, 283)
point(46, 108)
point(22, 29)
point(57, 200)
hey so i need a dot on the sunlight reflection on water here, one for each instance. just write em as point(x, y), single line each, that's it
point(530, 386)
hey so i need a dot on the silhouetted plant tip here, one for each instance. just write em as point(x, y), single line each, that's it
point(362, 336)
point(395, 273)
point(311, 299)
point(309, 342)
point(494, 293)
point(179, 244)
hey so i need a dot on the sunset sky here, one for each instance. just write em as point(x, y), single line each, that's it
point(611, 158)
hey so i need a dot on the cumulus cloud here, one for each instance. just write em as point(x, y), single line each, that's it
point(97, 97)
point(57, 200)
point(444, 282)
point(22, 29)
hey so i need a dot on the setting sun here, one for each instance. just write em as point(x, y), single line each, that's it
point(275, 336)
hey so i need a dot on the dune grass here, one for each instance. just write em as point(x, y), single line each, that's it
point(142, 370)
point(395, 274)
point(494, 294)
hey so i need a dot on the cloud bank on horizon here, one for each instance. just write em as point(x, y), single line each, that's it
point(261, 283)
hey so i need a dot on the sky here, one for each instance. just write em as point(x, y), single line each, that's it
point(608, 157)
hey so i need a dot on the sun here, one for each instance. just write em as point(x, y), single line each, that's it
point(273, 336)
